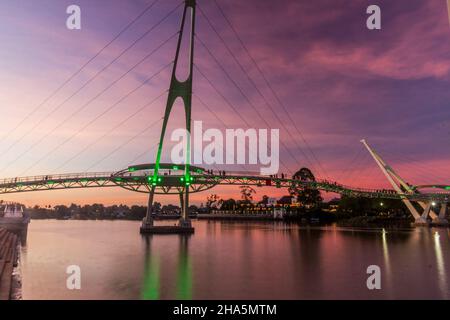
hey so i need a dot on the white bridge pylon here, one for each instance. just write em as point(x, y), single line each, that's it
point(397, 183)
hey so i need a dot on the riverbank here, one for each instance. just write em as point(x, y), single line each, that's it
point(9, 255)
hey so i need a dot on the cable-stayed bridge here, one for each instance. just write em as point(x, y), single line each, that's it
point(183, 179)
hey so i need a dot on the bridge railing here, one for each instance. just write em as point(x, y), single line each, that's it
point(357, 189)
point(330, 184)
point(57, 177)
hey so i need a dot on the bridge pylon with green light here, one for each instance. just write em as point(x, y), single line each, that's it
point(183, 90)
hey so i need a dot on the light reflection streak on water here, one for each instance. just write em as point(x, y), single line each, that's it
point(440, 265)
point(151, 283)
point(386, 252)
point(151, 288)
point(184, 274)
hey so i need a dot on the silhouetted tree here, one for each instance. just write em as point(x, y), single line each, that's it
point(264, 200)
point(212, 201)
point(307, 197)
point(62, 212)
point(229, 204)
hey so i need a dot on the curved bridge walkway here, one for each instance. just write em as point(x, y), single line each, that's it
point(173, 184)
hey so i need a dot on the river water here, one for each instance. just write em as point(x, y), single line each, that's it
point(233, 260)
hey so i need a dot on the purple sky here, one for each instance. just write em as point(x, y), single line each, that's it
point(339, 81)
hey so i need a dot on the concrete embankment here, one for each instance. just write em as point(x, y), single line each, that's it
point(8, 260)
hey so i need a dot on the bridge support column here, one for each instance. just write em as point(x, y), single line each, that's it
point(184, 226)
point(148, 220)
point(423, 219)
point(441, 219)
point(184, 220)
point(181, 202)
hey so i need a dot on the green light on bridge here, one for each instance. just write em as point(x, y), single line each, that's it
point(175, 168)
point(187, 180)
point(155, 180)
point(447, 188)
point(132, 169)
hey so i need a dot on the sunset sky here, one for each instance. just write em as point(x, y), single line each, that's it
point(339, 81)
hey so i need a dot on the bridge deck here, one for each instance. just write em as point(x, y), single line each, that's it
point(174, 184)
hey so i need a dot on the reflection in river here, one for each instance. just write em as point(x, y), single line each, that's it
point(233, 260)
point(151, 289)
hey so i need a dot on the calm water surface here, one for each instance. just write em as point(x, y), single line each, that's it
point(229, 260)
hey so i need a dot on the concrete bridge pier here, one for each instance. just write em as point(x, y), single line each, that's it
point(420, 220)
point(441, 219)
point(147, 222)
point(437, 220)
point(184, 225)
point(184, 221)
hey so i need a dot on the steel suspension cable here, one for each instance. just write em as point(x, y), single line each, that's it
point(350, 166)
point(245, 97)
point(414, 162)
point(111, 130)
point(79, 70)
point(93, 120)
point(124, 144)
point(420, 171)
point(133, 162)
point(252, 82)
point(207, 107)
point(231, 106)
point(359, 169)
point(84, 106)
point(274, 93)
point(91, 79)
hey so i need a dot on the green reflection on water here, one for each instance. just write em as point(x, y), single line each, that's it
point(184, 280)
point(151, 285)
point(184, 274)
point(150, 289)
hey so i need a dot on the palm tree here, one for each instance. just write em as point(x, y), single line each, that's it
point(212, 201)
point(247, 193)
